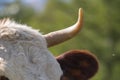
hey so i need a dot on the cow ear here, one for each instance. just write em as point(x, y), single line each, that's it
point(78, 65)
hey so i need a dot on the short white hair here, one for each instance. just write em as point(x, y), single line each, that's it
point(24, 54)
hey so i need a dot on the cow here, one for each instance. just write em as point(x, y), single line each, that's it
point(24, 54)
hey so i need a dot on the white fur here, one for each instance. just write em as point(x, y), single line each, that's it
point(24, 54)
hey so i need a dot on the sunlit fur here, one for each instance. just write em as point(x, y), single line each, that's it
point(78, 65)
point(24, 54)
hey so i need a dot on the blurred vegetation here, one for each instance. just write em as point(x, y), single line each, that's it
point(100, 34)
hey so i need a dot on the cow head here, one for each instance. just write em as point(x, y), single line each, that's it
point(24, 54)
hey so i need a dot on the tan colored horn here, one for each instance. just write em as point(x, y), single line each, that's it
point(60, 36)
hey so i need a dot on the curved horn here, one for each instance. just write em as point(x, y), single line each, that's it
point(60, 36)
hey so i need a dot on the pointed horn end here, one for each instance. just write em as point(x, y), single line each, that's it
point(80, 10)
point(80, 16)
point(78, 25)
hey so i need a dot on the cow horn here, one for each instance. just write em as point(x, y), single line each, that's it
point(60, 36)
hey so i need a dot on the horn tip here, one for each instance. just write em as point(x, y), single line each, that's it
point(80, 15)
point(80, 11)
